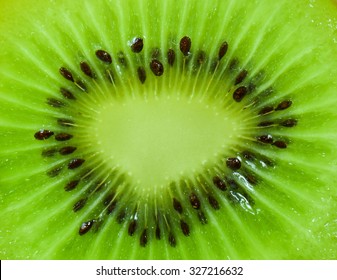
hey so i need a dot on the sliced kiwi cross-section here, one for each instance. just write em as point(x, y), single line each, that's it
point(168, 130)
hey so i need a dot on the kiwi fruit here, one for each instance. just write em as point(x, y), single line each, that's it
point(168, 130)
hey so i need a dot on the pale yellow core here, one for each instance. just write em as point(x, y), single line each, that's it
point(156, 141)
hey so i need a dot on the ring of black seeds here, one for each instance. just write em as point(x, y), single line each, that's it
point(243, 85)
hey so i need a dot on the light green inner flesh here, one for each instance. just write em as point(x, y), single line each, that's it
point(161, 139)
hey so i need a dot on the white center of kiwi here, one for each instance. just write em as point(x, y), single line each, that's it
point(159, 139)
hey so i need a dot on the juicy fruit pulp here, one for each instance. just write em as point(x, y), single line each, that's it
point(294, 201)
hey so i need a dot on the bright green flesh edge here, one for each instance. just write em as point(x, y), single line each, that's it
point(294, 42)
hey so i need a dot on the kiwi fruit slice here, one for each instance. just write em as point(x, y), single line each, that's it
point(168, 130)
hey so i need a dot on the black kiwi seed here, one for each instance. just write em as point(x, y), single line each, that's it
point(75, 163)
point(132, 227)
point(185, 45)
point(171, 56)
point(266, 110)
point(213, 202)
point(177, 206)
point(79, 204)
point(265, 123)
point(202, 217)
point(185, 228)
point(43, 134)
point(267, 139)
point(289, 123)
point(239, 93)
point(195, 202)
point(67, 94)
point(85, 227)
point(157, 67)
point(223, 50)
point(233, 163)
point(86, 69)
point(280, 144)
point(63, 136)
point(104, 56)
point(66, 74)
point(137, 45)
point(111, 206)
point(143, 238)
point(141, 74)
point(239, 78)
point(55, 171)
point(172, 240)
point(55, 103)
point(283, 105)
point(67, 150)
point(71, 185)
point(220, 184)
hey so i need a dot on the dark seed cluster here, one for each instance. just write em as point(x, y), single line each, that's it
point(165, 223)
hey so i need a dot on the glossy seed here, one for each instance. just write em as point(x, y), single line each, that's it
point(267, 139)
point(143, 238)
point(75, 163)
point(213, 202)
point(177, 206)
point(67, 94)
point(171, 56)
point(280, 144)
point(132, 227)
point(266, 110)
point(289, 123)
point(43, 134)
point(86, 69)
point(121, 217)
point(233, 163)
point(67, 150)
point(223, 50)
point(283, 105)
point(141, 74)
point(158, 234)
point(55, 102)
point(55, 171)
point(137, 45)
point(202, 217)
point(220, 184)
point(66, 74)
point(185, 45)
point(194, 200)
point(157, 67)
point(239, 78)
point(85, 227)
point(239, 93)
point(185, 228)
point(49, 152)
point(65, 122)
point(172, 240)
point(63, 136)
point(79, 204)
point(71, 185)
point(104, 56)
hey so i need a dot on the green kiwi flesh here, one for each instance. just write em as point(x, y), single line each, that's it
point(151, 130)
